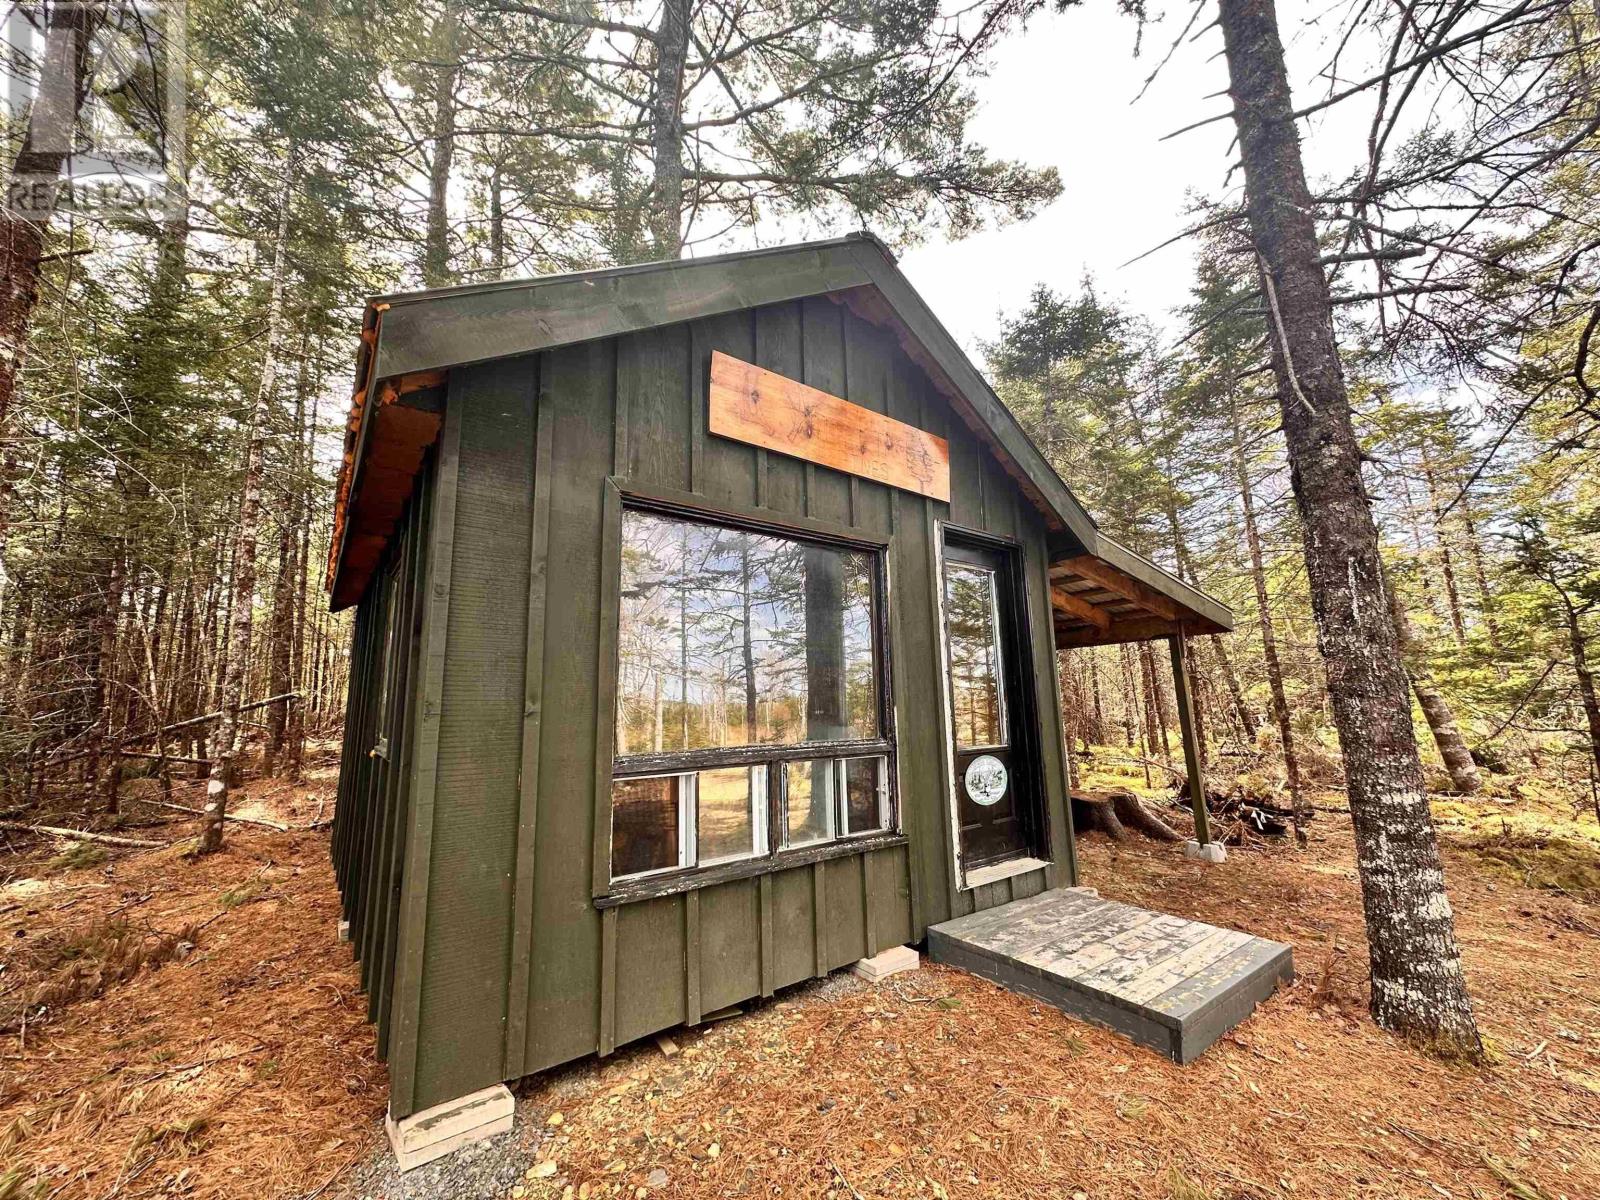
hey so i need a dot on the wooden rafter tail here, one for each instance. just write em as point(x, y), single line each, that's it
point(1087, 566)
point(1072, 605)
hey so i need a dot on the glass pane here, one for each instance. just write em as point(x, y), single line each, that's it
point(730, 807)
point(732, 638)
point(864, 786)
point(969, 602)
point(808, 807)
point(644, 824)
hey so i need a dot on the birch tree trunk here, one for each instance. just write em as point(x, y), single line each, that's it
point(1418, 988)
point(236, 650)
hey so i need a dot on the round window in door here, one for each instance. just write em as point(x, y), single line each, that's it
point(986, 779)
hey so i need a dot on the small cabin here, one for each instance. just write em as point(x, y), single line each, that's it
point(706, 618)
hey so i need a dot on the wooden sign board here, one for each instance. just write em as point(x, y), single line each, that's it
point(762, 408)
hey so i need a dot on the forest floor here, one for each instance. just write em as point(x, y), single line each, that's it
point(207, 1039)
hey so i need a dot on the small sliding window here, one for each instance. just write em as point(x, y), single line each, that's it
point(751, 689)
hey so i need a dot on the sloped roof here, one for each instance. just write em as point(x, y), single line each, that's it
point(409, 339)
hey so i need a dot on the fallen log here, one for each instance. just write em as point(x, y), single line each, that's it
point(165, 729)
point(199, 812)
point(82, 835)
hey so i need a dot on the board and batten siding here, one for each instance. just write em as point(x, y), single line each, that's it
point(504, 965)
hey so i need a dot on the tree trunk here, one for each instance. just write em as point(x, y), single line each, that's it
point(110, 630)
point(35, 175)
point(306, 437)
point(1418, 988)
point(1155, 703)
point(1269, 639)
point(1446, 562)
point(236, 652)
point(280, 643)
point(1580, 667)
point(436, 245)
point(1230, 677)
point(1441, 719)
point(497, 223)
point(1098, 732)
point(666, 128)
point(1480, 577)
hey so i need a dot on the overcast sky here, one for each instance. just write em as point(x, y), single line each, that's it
point(1059, 94)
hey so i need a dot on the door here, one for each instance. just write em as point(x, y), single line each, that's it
point(992, 768)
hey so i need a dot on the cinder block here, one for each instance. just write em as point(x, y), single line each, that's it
point(886, 963)
point(1211, 852)
point(435, 1132)
point(344, 931)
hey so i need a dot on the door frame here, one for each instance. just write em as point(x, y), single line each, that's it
point(1024, 714)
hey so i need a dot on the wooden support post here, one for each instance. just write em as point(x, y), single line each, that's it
point(1186, 727)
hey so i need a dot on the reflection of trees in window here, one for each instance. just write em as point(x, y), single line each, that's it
point(974, 655)
point(730, 638)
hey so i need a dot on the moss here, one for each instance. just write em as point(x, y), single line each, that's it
point(1551, 863)
point(78, 856)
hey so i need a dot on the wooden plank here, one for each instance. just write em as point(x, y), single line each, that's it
point(1190, 738)
point(470, 324)
point(1060, 844)
point(1170, 983)
point(722, 471)
point(823, 368)
point(605, 676)
point(778, 348)
point(819, 910)
point(794, 927)
point(575, 399)
point(1140, 629)
point(869, 896)
point(692, 1009)
point(522, 940)
point(467, 963)
point(418, 585)
point(1087, 566)
point(424, 777)
point(652, 999)
point(760, 407)
point(1075, 606)
point(608, 982)
point(768, 948)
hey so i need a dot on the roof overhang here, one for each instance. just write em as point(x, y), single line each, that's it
point(409, 341)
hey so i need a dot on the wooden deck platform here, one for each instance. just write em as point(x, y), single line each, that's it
point(1168, 983)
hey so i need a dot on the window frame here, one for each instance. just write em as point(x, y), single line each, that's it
point(778, 855)
point(996, 645)
point(388, 650)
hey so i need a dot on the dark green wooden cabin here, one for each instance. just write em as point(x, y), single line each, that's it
point(645, 721)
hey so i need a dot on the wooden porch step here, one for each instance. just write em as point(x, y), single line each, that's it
point(1168, 983)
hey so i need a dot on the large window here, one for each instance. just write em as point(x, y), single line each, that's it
point(750, 685)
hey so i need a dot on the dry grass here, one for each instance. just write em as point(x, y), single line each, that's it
point(243, 1067)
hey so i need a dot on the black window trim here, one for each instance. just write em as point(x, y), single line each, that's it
point(670, 881)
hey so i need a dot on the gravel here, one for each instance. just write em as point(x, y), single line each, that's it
point(480, 1171)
